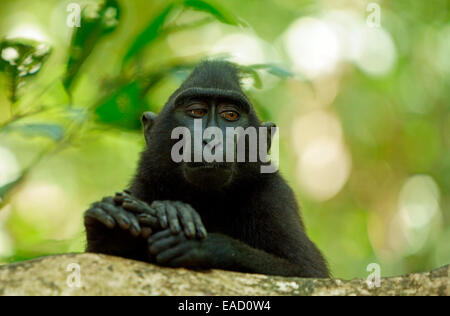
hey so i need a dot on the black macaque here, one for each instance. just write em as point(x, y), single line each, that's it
point(199, 215)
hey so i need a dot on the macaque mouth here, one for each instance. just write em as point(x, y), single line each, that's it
point(208, 165)
point(208, 176)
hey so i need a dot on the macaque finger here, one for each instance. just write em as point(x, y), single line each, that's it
point(98, 215)
point(108, 199)
point(148, 220)
point(186, 220)
point(181, 260)
point(159, 235)
point(120, 216)
point(137, 207)
point(132, 207)
point(164, 244)
point(167, 255)
point(135, 228)
point(118, 199)
point(200, 228)
point(161, 214)
point(172, 215)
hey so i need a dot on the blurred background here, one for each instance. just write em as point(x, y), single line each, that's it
point(360, 91)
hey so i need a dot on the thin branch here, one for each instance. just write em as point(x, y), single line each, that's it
point(18, 116)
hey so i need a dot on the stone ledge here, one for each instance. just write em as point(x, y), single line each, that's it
point(107, 275)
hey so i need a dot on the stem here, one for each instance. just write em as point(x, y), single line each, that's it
point(177, 28)
point(14, 82)
point(17, 117)
point(10, 120)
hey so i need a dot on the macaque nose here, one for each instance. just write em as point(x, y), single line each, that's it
point(212, 144)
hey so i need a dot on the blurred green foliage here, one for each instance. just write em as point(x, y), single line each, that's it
point(73, 96)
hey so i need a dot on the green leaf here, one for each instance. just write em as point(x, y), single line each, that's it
point(252, 71)
point(52, 131)
point(21, 59)
point(97, 21)
point(248, 71)
point(279, 71)
point(155, 28)
point(214, 9)
point(124, 108)
point(150, 33)
point(273, 69)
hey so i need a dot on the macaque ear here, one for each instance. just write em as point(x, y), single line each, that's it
point(148, 119)
point(270, 126)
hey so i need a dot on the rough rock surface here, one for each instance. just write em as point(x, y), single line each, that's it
point(106, 275)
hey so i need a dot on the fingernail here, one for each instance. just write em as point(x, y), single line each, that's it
point(125, 221)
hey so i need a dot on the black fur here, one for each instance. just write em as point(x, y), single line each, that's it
point(255, 219)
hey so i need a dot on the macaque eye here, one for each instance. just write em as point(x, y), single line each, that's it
point(230, 115)
point(197, 113)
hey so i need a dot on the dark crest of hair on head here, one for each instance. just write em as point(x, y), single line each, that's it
point(211, 77)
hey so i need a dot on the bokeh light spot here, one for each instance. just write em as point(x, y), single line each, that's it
point(312, 46)
point(324, 162)
point(9, 167)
